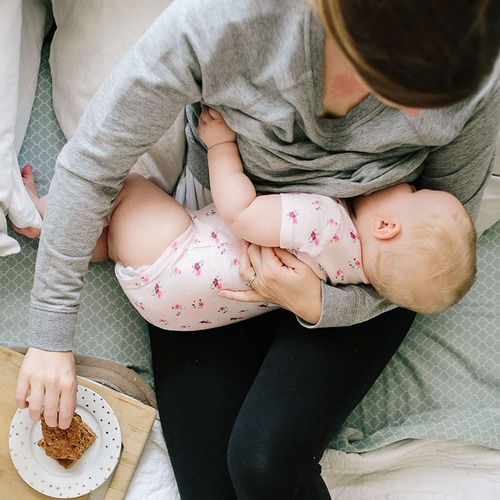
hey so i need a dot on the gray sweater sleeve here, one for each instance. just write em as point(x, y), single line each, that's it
point(130, 112)
point(348, 305)
point(463, 167)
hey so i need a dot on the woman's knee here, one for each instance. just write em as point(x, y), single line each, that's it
point(261, 468)
point(254, 472)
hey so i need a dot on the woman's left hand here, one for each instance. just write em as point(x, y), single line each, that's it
point(281, 279)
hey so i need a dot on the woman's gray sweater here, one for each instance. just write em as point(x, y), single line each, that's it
point(259, 62)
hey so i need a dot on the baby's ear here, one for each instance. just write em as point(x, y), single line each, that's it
point(382, 229)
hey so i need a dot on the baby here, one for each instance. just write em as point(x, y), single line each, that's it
point(416, 248)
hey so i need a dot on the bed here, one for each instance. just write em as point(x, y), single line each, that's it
point(430, 426)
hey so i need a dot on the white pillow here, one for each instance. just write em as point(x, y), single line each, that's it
point(91, 38)
point(23, 25)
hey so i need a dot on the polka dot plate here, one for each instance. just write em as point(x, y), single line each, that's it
point(44, 474)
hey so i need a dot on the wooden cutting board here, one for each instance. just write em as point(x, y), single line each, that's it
point(135, 418)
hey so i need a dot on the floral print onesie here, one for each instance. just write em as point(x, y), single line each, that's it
point(180, 290)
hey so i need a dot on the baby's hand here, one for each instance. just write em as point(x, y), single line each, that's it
point(213, 129)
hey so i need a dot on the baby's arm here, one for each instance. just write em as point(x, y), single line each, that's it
point(256, 219)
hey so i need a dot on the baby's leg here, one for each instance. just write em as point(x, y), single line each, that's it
point(145, 220)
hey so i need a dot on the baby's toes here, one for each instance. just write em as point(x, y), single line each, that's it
point(27, 172)
point(29, 182)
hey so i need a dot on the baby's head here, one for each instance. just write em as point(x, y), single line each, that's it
point(419, 247)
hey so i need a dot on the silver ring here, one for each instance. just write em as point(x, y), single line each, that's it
point(250, 280)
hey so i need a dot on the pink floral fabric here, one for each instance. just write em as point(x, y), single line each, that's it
point(319, 231)
point(180, 290)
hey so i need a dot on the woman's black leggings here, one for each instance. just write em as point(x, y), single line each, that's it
point(248, 410)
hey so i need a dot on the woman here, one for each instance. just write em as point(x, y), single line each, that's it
point(341, 99)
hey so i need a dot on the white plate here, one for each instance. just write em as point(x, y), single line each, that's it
point(44, 474)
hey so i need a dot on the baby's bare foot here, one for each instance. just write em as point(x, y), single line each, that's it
point(29, 184)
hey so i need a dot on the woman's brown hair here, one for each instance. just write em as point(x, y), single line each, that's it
point(418, 53)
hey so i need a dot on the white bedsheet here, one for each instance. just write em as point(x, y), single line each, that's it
point(407, 470)
point(154, 478)
point(415, 470)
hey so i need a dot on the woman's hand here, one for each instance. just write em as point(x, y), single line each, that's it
point(282, 279)
point(49, 377)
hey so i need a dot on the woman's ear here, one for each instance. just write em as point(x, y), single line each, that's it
point(382, 229)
